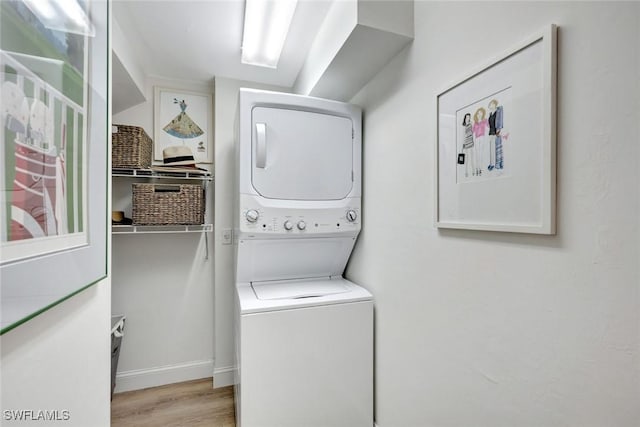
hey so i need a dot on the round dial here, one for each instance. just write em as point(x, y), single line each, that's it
point(252, 215)
point(352, 215)
point(302, 225)
point(288, 225)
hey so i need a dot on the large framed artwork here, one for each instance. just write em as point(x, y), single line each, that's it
point(183, 118)
point(53, 205)
point(496, 143)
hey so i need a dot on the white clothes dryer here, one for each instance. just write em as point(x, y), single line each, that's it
point(304, 334)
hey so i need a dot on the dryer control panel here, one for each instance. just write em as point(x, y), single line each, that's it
point(260, 220)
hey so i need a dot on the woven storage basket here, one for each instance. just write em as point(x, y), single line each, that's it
point(131, 147)
point(165, 204)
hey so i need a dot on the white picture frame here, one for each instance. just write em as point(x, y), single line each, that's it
point(170, 124)
point(496, 143)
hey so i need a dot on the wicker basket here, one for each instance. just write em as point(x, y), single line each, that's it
point(131, 147)
point(166, 204)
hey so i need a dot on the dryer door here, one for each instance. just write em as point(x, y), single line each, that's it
point(301, 155)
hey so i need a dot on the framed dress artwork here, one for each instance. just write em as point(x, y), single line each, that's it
point(183, 118)
point(54, 151)
point(496, 143)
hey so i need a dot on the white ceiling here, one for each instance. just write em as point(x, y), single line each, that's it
point(199, 40)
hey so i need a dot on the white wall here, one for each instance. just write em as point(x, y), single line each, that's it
point(127, 74)
point(356, 39)
point(340, 21)
point(60, 360)
point(496, 329)
point(162, 283)
point(226, 102)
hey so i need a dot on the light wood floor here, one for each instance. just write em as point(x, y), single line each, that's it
point(189, 404)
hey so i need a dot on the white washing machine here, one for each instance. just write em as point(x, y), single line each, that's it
point(304, 334)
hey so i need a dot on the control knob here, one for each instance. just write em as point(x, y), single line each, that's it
point(351, 215)
point(252, 215)
point(288, 225)
point(302, 225)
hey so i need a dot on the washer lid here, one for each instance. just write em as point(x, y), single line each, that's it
point(249, 303)
point(295, 289)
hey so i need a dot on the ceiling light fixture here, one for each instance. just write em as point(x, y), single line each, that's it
point(266, 24)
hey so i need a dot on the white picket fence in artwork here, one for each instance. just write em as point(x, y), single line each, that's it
point(13, 68)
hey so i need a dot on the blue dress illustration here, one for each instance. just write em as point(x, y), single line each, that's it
point(182, 126)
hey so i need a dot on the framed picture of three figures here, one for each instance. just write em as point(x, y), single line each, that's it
point(496, 143)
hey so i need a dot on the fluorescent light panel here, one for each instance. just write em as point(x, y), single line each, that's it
point(266, 24)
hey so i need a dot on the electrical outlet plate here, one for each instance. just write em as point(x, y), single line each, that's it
point(227, 236)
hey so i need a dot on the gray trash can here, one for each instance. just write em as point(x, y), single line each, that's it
point(117, 332)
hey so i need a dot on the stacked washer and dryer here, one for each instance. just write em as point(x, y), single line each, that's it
point(304, 334)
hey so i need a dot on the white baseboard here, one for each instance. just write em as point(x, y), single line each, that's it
point(153, 377)
point(223, 377)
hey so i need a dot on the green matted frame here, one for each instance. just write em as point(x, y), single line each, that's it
point(60, 77)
